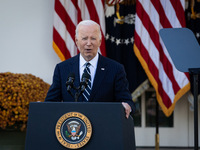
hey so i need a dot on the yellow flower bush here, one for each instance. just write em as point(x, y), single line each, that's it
point(16, 92)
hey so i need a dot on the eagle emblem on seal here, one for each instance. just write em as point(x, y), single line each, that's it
point(73, 130)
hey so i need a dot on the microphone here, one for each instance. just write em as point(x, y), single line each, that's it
point(84, 81)
point(70, 81)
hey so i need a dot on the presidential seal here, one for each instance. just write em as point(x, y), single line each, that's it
point(73, 130)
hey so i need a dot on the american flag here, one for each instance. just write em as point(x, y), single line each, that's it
point(67, 14)
point(151, 16)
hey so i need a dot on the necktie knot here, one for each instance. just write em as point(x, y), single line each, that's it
point(87, 69)
point(87, 64)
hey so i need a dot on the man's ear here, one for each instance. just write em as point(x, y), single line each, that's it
point(100, 42)
point(76, 41)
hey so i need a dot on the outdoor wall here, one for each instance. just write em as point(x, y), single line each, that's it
point(26, 37)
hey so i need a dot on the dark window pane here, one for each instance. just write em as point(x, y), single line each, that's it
point(150, 97)
point(137, 115)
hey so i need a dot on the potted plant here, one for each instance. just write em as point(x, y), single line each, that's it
point(16, 92)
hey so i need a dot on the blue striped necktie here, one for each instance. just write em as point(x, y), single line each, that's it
point(88, 89)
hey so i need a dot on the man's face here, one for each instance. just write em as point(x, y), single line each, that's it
point(88, 41)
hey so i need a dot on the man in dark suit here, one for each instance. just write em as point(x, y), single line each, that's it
point(108, 81)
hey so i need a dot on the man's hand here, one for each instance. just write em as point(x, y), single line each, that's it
point(127, 109)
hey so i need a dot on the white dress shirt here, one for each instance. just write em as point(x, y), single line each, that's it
point(92, 67)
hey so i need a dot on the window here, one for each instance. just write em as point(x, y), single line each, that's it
point(148, 99)
point(150, 107)
point(137, 115)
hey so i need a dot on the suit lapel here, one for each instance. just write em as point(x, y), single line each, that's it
point(100, 74)
point(74, 68)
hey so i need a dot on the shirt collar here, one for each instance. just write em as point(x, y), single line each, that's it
point(93, 62)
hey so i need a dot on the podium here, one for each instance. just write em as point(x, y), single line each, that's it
point(109, 129)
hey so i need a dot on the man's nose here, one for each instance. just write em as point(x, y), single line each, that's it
point(89, 42)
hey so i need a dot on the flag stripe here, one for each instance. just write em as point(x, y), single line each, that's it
point(70, 9)
point(59, 44)
point(151, 16)
point(177, 5)
point(98, 5)
point(68, 13)
point(151, 68)
point(171, 15)
point(67, 20)
point(154, 36)
point(78, 11)
point(166, 24)
point(60, 28)
point(60, 19)
point(92, 11)
point(163, 20)
point(84, 13)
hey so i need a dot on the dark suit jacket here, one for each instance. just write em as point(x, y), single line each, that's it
point(110, 83)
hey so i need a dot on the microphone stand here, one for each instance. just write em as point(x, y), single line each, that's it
point(77, 95)
point(79, 91)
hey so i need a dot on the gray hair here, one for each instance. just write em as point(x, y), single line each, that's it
point(87, 22)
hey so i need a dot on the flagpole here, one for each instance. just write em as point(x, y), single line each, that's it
point(157, 127)
point(194, 72)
